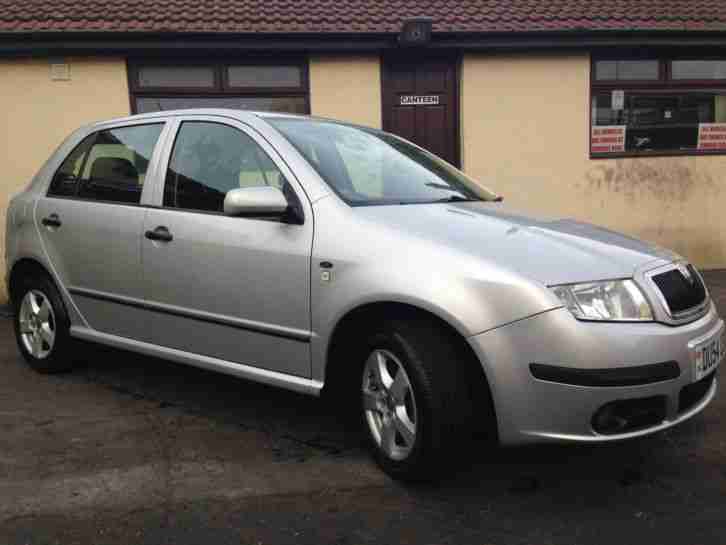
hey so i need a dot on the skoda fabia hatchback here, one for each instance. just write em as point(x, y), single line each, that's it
point(316, 255)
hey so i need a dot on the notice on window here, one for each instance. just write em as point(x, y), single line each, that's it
point(617, 100)
point(608, 139)
point(711, 136)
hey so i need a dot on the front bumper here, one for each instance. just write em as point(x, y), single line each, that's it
point(533, 410)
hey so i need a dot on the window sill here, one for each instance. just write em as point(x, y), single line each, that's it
point(646, 154)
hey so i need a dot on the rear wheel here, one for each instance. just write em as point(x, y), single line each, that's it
point(42, 326)
point(415, 403)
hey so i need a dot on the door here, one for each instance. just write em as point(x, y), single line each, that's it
point(233, 288)
point(90, 221)
point(420, 103)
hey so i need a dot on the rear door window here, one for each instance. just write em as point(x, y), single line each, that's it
point(109, 165)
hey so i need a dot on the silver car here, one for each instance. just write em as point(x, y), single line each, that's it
point(320, 256)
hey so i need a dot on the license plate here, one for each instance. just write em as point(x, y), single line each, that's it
point(707, 354)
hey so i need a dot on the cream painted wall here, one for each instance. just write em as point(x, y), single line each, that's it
point(39, 113)
point(525, 134)
point(346, 88)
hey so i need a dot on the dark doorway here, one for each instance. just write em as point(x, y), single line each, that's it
point(420, 102)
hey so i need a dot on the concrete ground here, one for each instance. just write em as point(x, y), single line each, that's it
point(128, 449)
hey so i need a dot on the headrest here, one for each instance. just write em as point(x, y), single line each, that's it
point(114, 168)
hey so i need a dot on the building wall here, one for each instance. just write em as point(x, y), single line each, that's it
point(39, 113)
point(346, 88)
point(525, 134)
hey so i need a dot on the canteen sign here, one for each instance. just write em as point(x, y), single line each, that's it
point(711, 136)
point(419, 100)
point(608, 139)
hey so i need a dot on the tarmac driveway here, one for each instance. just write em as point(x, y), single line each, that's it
point(129, 449)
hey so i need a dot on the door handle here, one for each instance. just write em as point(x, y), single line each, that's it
point(160, 233)
point(51, 221)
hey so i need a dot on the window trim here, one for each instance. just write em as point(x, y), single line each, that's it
point(663, 85)
point(93, 135)
point(221, 88)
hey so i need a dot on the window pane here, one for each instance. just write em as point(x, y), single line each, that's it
point(294, 105)
point(606, 70)
point(698, 69)
point(675, 121)
point(65, 180)
point(176, 76)
point(264, 76)
point(117, 163)
point(627, 70)
point(210, 159)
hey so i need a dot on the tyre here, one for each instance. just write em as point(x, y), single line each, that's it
point(42, 327)
point(415, 403)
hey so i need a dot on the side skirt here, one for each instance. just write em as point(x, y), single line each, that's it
point(255, 374)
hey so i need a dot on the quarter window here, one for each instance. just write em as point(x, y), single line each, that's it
point(109, 165)
point(210, 159)
point(666, 106)
point(65, 181)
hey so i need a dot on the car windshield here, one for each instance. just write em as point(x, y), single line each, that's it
point(370, 167)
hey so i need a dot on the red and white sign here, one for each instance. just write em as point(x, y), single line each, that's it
point(608, 139)
point(711, 136)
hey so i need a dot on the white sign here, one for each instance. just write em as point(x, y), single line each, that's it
point(419, 100)
point(60, 71)
point(608, 139)
point(618, 100)
point(711, 136)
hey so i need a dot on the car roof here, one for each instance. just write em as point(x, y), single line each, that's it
point(221, 112)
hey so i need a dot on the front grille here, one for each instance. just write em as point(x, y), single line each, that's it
point(680, 293)
point(693, 393)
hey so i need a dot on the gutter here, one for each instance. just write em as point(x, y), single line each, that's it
point(110, 43)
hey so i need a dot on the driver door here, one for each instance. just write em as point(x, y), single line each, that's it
point(233, 288)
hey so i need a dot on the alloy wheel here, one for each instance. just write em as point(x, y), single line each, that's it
point(389, 404)
point(37, 324)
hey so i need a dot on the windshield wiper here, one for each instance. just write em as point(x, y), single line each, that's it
point(456, 198)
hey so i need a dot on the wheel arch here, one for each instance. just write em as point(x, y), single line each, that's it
point(355, 319)
point(22, 268)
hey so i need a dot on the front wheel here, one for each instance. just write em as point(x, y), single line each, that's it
point(414, 398)
point(389, 405)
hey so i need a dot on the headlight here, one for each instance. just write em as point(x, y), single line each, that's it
point(613, 300)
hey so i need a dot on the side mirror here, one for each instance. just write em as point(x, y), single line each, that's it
point(255, 201)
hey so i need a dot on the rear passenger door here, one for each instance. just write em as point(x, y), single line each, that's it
point(233, 288)
point(90, 221)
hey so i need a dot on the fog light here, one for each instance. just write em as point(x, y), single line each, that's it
point(607, 421)
point(629, 415)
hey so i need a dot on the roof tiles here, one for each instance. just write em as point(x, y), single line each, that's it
point(357, 16)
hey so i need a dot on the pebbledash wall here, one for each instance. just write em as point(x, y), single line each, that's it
point(348, 88)
point(524, 131)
